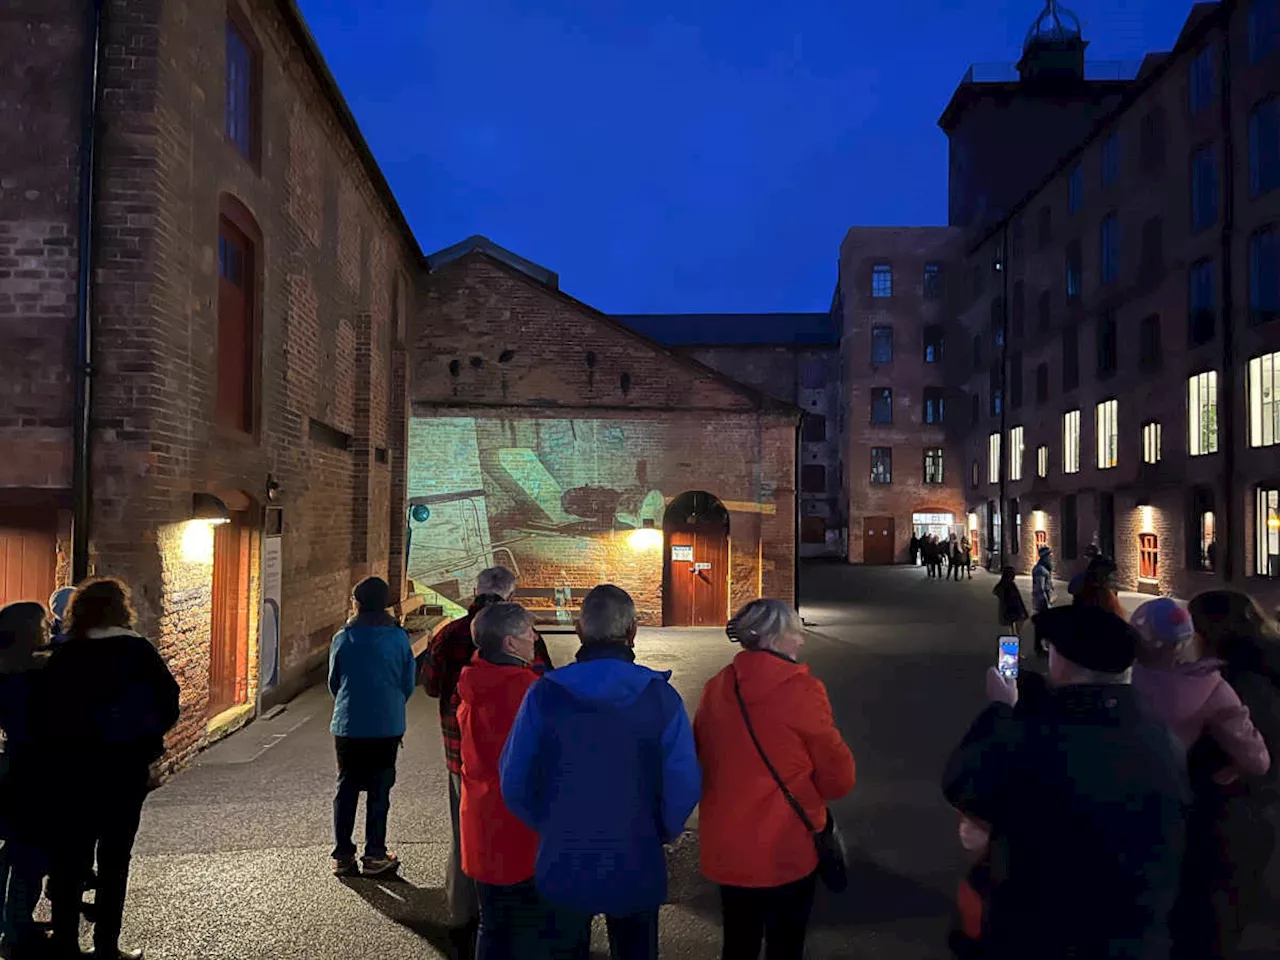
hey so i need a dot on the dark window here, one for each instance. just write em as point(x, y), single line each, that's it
point(933, 461)
point(996, 387)
point(815, 428)
point(933, 407)
point(1018, 311)
point(882, 280)
point(1042, 384)
point(242, 91)
point(1044, 229)
point(1204, 189)
point(1203, 302)
point(1018, 238)
point(1264, 28)
point(813, 375)
point(882, 464)
point(933, 341)
point(1149, 349)
point(813, 530)
point(976, 413)
point(1152, 146)
point(1264, 146)
point(1070, 358)
point(1109, 242)
point(1044, 310)
point(1152, 263)
point(235, 404)
point(1075, 189)
point(881, 405)
point(1202, 547)
point(1015, 380)
point(813, 478)
point(933, 281)
point(978, 281)
point(1069, 533)
point(1074, 270)
point(977, 352)
point(997, 322)
point(1111, 160)
point(324, 435)
point(1200, 81)
point(1106, 344)
point(1107, 523)
point(881, 345)
point(1264, 275)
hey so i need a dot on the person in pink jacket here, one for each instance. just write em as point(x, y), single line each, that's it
point(1188, 693)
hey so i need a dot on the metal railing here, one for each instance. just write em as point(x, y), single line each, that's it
point(1093, 70)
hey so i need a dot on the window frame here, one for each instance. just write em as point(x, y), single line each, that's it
point(882, 280)
point(1262, 398)
point(1266, 533)
point(1106, 421)
point(1148, 556)
point(812, 423)
point(882, 457)
point(882, 395)
point(1106, 344)
point(1261, 30)
point(879, 332)
point(931, 280)
point(1042, 383)
point(1202, 320)
point(1202, 406)
point(1109, 159)
point(1151, 440)
point(1073, 270)
point(234, 214)
point(934, 406)
point(1071, 441)
point(1017, 446)
point(237, 22)
point(935, 340)
point(934, 457)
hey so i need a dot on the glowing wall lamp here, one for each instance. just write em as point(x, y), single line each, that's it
point(209, 509)
point(648, 537)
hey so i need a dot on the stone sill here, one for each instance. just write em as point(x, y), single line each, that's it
point(1146, 585)
point(228, 721)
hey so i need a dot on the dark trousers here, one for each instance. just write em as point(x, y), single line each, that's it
point(631, 937)
point(365, 765)
point(104, 825)
point(459, 889)
point(22, 870)
point(512, 922)
point(778, 916)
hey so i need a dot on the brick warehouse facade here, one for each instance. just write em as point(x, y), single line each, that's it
point(900, 475)
point(548, 436)
point(252, 279)
point(1122, 341)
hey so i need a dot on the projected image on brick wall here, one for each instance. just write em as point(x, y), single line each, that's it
point(566, 504)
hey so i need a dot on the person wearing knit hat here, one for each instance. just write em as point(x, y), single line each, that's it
point(1084, 794)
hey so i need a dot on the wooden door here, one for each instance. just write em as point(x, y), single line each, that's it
point(696, 593)
point(229, 630)
point(877, 540)
point(28, 553)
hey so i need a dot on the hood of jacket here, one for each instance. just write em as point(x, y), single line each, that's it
point(1179, 691)
point(761, 672)
point(606, 677)
point(481, 678)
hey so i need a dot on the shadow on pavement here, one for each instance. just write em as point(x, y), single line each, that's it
point(411, 907)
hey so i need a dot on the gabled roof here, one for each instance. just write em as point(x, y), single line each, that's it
point(735, 329)
point(547, 278)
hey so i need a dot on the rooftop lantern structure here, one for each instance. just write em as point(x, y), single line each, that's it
point(1054, 48)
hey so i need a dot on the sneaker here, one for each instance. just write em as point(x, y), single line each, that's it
point(379, 866)
point(346, 866)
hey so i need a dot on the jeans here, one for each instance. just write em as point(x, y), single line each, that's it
point(365, 765)
point(459, 889)
point(512, 921)
point(777, 915)
point(633, 937)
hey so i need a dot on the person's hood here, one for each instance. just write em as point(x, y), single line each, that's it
point(1179, 691)
point(609, 678)
point(480, 678)
point(761, 672)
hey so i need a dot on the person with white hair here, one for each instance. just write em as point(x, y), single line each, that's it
point(601, 765)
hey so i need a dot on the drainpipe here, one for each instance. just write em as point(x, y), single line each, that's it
point(1003, 267)
point(796, 567)
point(81, 488)
point(1227, 393)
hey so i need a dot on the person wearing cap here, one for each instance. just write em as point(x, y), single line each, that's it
point(371, 676)
point(1085, 796)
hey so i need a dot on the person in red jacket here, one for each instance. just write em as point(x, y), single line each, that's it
point(498, 851)
point(767, 884)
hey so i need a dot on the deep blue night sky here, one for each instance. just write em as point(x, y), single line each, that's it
point(678, 155)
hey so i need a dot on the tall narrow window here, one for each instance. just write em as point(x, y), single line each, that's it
point(1111, 160)
point(1202, 413)
point(1070, 358)
point(1075, 189)
point(1264, 400)
point(814, 428)
point(1264, 29)
point(1018, 311)
point(1044, 310)
point(1015, 380)
point(1202, 544)
point(242, 93)
point(1042, 461)
point(1151, 442)
point(1200, 81)
point(1106, 505)
point(1106, 420)
point(1071, 441)
point(993, 458)
point(996, 390)
point(933, 460)
point(1110, 247)
point(933, 281)
point(1070, 524)
point(1151, 265)
point(1148, 556)
point(1264, 146)
point(933, 397)
point(973, 474)
point(237, 330)
point(975, 402)
point(1074, 270)
point(1106, 344)
point(1203, 306)
point(881, 345)
point(997, 322)
point(1044, 227)
point(1204, 189)
point(1015, 453)
point(1264, 275)
point(1267, 530)
point(1042, 384)
point(882, 464)
point(933, 342)
point(1149, 351)
point(881, 405)
point(882, 280)
point(1151, 149)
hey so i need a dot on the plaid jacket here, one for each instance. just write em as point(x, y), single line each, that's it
point(450, 650)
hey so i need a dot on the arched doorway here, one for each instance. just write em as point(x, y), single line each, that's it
point(233, 544)
point(695, 565)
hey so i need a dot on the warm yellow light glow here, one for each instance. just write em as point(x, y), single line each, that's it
point(646, 538)
point(1148, 519)
point(1037, 520)
point(973, 521)
point(197, 541)
point(1273, 523)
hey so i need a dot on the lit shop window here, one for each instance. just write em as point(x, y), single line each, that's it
point(1071, 441)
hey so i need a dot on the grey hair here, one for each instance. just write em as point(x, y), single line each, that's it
point(496, 622)
point(498, 581)
point(608, 615)
point(761, 622)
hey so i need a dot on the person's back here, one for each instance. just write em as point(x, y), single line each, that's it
point(371, 675)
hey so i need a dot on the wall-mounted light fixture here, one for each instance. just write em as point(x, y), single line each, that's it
point(208, 508)
point(648, 537)
point(273, 488)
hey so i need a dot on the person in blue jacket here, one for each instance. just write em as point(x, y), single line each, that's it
point(372, 675)
point(601, 764)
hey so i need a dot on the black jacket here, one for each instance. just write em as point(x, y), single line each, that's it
point(1086, 799)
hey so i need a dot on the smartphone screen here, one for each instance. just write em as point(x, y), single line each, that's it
point(1008, 662)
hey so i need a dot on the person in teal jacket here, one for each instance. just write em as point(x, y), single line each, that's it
point(372, 675)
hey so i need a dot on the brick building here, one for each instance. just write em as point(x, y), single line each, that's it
point(792, 357)
point(1122, 345)
point(551, 438)
point(241, 371)
point(900, 475)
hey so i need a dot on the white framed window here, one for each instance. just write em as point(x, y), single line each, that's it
point(1267, 529)
point(1042, 461)
point(993, 458)
point(1015, 453)
point(1071, 441)
point(1264, 400)
point(1202, 413)
point(1105, 418)
point(1151, 442)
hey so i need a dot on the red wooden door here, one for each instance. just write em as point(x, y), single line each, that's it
point(28, 553)
point(696, 593)
point(877, 540)
point(229, 633)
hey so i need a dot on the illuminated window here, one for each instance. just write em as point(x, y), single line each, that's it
point(1042, 461)
point(882, 280)
point(1202, 546)
point(1071, 441)
point(1015, 453)
point(1267, 560)
point(1148, 556)
point(993, 458)
point(1151, 442)
point(933, 460)
point(1202, 413)
point(1208, 541)
point(1106, 418)
point(1264, 400)
point(882, 464)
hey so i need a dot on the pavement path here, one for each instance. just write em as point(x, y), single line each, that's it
point(232, 859)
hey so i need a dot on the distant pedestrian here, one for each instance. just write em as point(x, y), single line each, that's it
point(58, 601)
point(966, 557)
point(957, 558)
point(767, 885)
point(108, 699)
point(930, 550)
point(1098, 586)
point(601, 765)
point(1042, 593)
point(371, 677)
point(1011, 611)
point(498, 851)
point(913, 548)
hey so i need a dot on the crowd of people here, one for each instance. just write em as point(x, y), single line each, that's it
point(944, 559)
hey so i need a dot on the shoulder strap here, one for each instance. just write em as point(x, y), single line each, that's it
point(795, 804)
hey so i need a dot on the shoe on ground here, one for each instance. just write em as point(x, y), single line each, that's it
point(346, 866)
point(388, 863)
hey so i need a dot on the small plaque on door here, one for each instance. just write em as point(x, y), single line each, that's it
point(682, 551)
point(701, 566)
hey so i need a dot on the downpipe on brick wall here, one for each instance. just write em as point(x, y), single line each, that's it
point(81, 486)
point(1227, 410)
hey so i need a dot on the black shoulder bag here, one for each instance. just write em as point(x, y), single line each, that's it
point(833, 868)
